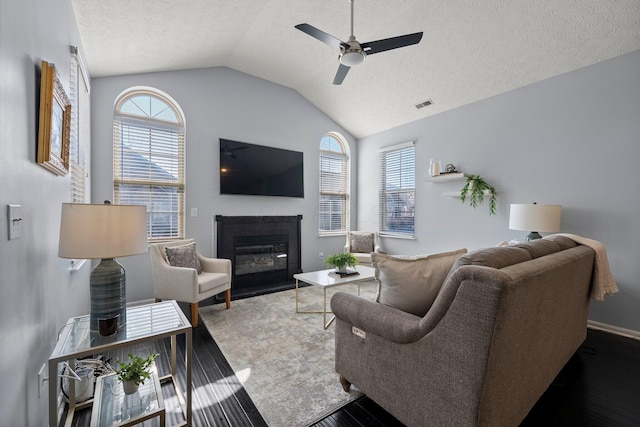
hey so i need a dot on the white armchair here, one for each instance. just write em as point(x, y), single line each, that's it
point(361, 244)
point(184, 283)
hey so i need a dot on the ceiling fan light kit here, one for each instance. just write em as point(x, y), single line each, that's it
point(353, 52)
point(350, 58)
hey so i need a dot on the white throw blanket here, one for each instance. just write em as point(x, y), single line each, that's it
point(603, 282)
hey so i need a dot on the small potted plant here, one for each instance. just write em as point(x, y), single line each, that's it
point(475, 189)
point(341, 261)
point(135, 372)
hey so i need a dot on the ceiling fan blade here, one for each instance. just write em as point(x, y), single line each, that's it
point(391, 43)
point(322, 36)
point(341, 74)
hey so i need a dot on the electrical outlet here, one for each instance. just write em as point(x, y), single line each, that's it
point(42, 379)
point(194, 212)
point(321, 255)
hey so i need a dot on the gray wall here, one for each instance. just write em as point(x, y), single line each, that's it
point(572, 140)
point(221, 103)
point(39, 293)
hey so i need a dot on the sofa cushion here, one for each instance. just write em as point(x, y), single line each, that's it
point(496, 257)
point(562, 241)
point(540, 247)
point(183, 256)
point(361, 242)
point(411, 284)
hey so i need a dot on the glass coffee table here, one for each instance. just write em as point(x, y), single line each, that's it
point(327, 279)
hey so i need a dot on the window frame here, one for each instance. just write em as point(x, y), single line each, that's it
point(171, 143)
point(405, 191)
point(329, 159)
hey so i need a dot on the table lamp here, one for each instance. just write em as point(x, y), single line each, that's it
point(530, 217)
point(104, 232)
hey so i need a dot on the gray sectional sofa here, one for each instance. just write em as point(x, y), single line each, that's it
point(505, 322)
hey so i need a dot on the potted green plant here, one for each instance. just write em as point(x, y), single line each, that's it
point(134, 373)
point(341, 261)
point(475, 189)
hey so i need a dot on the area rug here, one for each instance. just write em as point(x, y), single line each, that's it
point(284, 360)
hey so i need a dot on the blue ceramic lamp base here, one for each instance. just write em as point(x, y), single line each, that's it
point(534, 235)
point(108, 298)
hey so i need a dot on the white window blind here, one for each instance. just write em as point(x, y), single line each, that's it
point(397, 190)
point(148, 162)
point(80, 128)
point(334, 186)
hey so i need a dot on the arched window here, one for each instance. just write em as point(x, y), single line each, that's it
point(334, 184)
point(148, 159)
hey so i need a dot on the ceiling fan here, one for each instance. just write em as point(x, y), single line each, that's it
point(353, 52)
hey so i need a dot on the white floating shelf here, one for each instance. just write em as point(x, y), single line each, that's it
point(456, 194)
point(457, 176)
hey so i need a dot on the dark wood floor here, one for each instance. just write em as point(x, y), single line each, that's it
point(600, 386)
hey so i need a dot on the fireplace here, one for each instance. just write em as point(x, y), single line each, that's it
point(264, 251)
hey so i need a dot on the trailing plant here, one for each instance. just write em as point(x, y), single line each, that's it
point(474, 190)
point(135, 371)
point(342, 259)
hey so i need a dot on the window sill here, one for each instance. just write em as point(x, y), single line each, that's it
point(76, 264)
point(397, 236)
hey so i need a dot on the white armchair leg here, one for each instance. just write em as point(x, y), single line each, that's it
point(228, 298)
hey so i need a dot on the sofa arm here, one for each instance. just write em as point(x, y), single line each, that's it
point(215, 265)
point(379, 319)
point(173, 283)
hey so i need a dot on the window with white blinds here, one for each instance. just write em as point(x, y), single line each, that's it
point(334, 185)
point(80, 129)
point(397, 190)
point(148, 160)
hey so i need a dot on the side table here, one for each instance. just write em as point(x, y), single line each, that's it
point(111, 407)
point(148, 322)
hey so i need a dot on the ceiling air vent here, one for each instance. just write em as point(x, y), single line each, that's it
point(424, 104)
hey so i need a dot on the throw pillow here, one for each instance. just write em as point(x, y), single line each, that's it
point(183, 256)
point(411, 284)
point(362, 243)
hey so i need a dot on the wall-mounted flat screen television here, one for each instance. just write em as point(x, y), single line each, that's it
point(260, 170)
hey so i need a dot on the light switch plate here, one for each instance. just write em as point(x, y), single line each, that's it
point(14, 216)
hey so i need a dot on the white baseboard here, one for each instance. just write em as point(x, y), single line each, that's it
point(629, 333)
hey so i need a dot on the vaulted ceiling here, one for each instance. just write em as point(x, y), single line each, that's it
point(471, 49)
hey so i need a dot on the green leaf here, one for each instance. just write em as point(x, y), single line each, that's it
point(136, 370)
point(474, 189)
point(342, 259)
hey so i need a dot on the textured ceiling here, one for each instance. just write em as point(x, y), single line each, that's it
point(471, 49)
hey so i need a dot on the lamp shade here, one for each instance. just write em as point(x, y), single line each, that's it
point(102, 231)
point(534, 217)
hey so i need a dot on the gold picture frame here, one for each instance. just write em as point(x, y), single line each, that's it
point(54, 123)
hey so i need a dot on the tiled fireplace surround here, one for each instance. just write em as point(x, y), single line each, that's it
point(265, 251)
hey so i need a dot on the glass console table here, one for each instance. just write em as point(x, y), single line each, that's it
point(144, 323)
